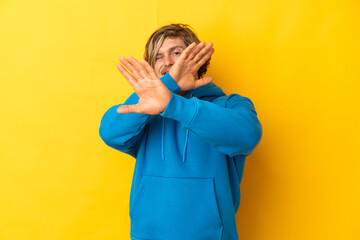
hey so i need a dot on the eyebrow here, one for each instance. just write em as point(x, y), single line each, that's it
point(172, 49)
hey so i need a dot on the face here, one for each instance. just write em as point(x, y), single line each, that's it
point(169, 51)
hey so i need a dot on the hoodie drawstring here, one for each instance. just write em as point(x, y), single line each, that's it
point(163, 139)
point(187, 136)
point(185, 147)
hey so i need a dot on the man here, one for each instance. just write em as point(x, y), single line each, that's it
point(189, 138)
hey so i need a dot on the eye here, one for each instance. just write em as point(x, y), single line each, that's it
point(176, 53)
point(158, 58)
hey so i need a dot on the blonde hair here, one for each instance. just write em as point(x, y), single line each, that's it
point(182, 31)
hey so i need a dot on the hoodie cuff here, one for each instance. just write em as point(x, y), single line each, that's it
point(170, 83)
point(181, 109)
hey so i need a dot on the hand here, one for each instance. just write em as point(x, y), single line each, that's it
point(153, 94)
point(185, 69)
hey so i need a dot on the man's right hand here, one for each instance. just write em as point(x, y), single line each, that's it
point(184, 71)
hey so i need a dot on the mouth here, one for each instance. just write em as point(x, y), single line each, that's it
point(164, 72)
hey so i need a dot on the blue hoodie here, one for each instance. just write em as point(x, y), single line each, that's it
point(189, 162)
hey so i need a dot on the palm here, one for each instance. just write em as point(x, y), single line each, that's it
point(188, 81)
point(153, 94)
point(185, 69)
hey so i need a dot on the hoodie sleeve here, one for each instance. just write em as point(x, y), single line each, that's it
point(233, 130)
point(124, 131)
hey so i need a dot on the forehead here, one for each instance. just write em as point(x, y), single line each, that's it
point(171, 43)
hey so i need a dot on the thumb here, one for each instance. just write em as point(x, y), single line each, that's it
point(202, 81)
point(127, 109)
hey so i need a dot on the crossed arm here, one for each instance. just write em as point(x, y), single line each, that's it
point(232, 130)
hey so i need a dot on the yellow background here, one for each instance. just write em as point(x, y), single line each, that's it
point(297, 60)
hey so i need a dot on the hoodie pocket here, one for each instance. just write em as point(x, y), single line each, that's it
point(176, 208)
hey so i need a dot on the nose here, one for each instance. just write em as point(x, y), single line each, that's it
point(168, 61)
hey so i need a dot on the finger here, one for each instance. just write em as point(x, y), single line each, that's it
point(187, 51)
point(131, 68)
point(149, 69)
point(204, 58)
point(139, 67)
point(202, 81)
point(193, 53)
point(127, 109)
point(128, 76)
point(203, 52)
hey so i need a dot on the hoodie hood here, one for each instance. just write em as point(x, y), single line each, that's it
point(209, 91)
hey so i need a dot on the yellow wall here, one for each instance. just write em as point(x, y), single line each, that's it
point(298, 61)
